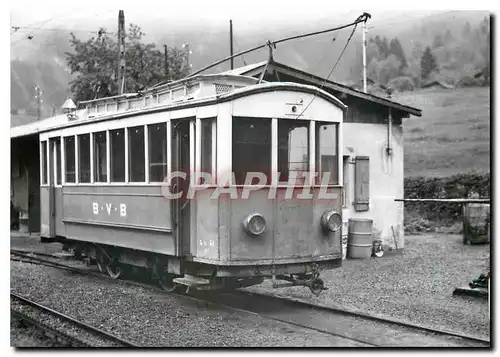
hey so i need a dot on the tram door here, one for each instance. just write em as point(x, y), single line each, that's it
point(182, 151)
point(48, 216)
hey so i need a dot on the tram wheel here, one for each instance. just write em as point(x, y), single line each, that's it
point(317, 286)
point(166, 282)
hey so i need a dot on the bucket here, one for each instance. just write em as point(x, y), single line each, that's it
point(476, 226)
point(359, 240)
point(344, 239)
point(23, 222)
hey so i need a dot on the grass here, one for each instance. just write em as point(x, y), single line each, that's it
point(453, 134)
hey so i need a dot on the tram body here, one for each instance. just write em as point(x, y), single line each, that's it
point(213, 183)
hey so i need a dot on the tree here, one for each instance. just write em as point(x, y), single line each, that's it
point(95, 63)
point(372, 51)
point(427, 63)
point(388, 69)
point(448, 37)
point(438, 42)
point(396, 49)
point(466, 31)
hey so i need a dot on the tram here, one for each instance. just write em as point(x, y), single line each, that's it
point(212, 182)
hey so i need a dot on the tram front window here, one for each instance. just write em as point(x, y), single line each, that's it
point(251, 148)
point(327, 152)
point(293, 149)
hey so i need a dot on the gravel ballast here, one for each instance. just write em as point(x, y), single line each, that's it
point(152, 319)
point(415, 286)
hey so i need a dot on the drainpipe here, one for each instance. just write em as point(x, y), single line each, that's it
point(389, 126)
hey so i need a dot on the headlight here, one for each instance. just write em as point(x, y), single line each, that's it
point(331, 221)
point(254, 224)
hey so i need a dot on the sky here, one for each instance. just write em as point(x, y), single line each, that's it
point(246, 14)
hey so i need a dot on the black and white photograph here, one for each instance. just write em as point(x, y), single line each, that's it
point(249, 175)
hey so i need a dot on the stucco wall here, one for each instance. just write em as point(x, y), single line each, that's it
point(386, 178)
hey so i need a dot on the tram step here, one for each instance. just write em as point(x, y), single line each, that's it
point(190, 280)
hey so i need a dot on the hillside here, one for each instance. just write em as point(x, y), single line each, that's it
point(209, 42)
point(453, 134)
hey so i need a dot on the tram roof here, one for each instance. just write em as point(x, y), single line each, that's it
point(256, 69)
point(209, 97)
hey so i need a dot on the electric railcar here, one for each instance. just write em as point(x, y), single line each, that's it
point(218, 181)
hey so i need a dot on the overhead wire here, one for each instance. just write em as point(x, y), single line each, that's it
point(242, 57)
point(58, 30)
point(333, 69)
point(274, 43)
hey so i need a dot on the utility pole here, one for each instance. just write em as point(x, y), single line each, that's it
point(188, 52)
point(121, 53)
point(364, 56)
point(39, 101)
point(231, 42)
point(166, 61)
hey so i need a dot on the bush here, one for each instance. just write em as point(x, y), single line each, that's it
point(419, 214)
point(402, 84)
point(469, 82)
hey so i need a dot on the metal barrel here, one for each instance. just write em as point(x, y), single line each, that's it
point(476, 225)
point(359, 240)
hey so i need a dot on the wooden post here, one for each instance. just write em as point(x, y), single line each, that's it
point(231, 42)
point(121, 53)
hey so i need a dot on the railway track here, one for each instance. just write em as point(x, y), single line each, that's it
point(376, 330)
point(105, 339)
point(372, 329)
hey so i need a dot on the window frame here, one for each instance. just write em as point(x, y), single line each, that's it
point(97, 154)
point(164, 164)
point(145, 156)
point(44, 170)
point(111, 154)
point(338, 163)
point(272, 149)
point(307, 125)
point(90, 170)
point(65, 146)
point(200, 146)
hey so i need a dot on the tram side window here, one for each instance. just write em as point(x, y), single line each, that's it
point(251, 148)
point(117, 142)
point(293, 149)
point(69, 157)
point(327, 152)
point(136, 154)
point(207, 141)
point(100, 164)
point(57, 147)
point(84, 158)
point(44, 162)
point(157, 152)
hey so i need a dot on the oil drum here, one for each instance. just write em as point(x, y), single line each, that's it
point(359, 240)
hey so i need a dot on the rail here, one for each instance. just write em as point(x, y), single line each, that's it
point(76, 322)
point(445, 200)
point(233, 303)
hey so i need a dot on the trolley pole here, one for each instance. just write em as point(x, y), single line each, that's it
point(231, 42)
point(364, 56)
point(121, 53)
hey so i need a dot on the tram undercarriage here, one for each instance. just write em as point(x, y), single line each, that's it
point(171, 272)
